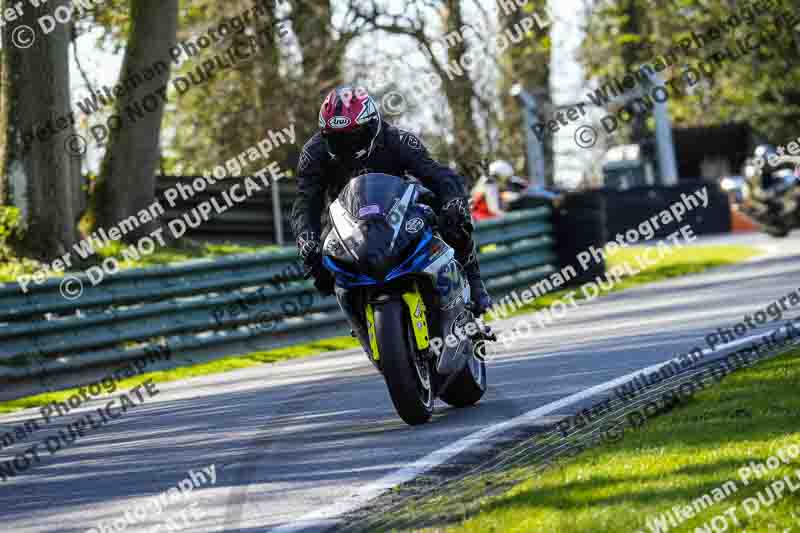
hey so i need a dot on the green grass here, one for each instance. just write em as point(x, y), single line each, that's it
point(670, 461)
point(680, 262)
point(167, 255)
point(212, 367)
point(12, 267)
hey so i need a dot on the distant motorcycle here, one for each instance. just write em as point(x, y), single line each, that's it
point(405, 295)
point(772, 193)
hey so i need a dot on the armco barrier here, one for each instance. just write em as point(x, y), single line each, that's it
point(251, 219)
point(228, 306)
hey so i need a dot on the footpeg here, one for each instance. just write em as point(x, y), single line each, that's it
point(486, 333)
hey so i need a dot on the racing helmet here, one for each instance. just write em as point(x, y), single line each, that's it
point(349, 122)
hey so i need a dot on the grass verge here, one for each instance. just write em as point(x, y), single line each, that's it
point(671, 463)
point(212, 367)
point(678, 262)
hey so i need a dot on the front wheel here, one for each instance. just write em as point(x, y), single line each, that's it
point(407, 375)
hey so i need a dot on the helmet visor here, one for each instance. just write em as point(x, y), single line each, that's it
point(347, 144)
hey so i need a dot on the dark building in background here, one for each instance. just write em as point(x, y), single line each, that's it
point(713, 151)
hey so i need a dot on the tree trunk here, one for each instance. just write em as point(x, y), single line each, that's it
point(4, 199)
point(322, 60)
point(40, 172)
point(528, 65)
point(460, 93)
point(126, 184)
point(632, 26)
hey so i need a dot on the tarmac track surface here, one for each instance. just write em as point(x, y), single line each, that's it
point(291, 438)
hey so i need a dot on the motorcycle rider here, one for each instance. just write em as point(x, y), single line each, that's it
point(352, 140)
point(765, 178)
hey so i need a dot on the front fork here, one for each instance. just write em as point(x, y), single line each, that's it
point(364, 328)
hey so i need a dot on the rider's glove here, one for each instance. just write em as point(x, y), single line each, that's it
point(429, 215)
point(310, 249)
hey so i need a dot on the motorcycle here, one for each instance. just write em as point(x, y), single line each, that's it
point(405, 295)
point(772, 196)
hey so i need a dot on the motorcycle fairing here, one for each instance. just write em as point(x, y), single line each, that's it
point(373, 249)
point(369, 250)
point(453, 314)
point(371, 232)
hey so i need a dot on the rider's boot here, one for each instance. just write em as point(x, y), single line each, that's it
point(481, 301)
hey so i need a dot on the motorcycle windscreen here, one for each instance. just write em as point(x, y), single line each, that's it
point(371, 194)
point(371, 225)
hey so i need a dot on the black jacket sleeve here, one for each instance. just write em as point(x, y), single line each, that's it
point(439, 178)
point(309, 203)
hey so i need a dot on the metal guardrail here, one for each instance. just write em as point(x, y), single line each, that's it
point(251, 219)
point(236, 304)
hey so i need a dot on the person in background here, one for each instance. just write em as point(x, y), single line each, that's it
point(515, 188)
point(486, 201)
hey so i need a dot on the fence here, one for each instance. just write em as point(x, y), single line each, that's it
point(228, 306)
point(252, 219)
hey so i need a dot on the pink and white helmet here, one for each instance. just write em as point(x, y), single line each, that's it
point(350, 122)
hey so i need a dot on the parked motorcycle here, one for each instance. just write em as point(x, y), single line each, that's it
point(772, 192)
point(405, 295)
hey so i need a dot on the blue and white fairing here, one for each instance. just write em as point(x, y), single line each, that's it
point(381, 233)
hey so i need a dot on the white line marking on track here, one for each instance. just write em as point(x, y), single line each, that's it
point(330, 515)
point(769, 251)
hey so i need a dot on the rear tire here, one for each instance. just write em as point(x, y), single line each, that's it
point(776, 231)
point(411, 396)
point(468, 387)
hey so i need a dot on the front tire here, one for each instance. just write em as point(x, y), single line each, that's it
point(407, 377)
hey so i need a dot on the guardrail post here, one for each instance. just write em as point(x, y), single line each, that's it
point(534, 149)
point(277, 212)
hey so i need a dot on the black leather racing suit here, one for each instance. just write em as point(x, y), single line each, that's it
point(320, 178)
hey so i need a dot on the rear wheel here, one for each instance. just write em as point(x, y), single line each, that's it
point(407, 374)
point(469, 386)
point(777, 231)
